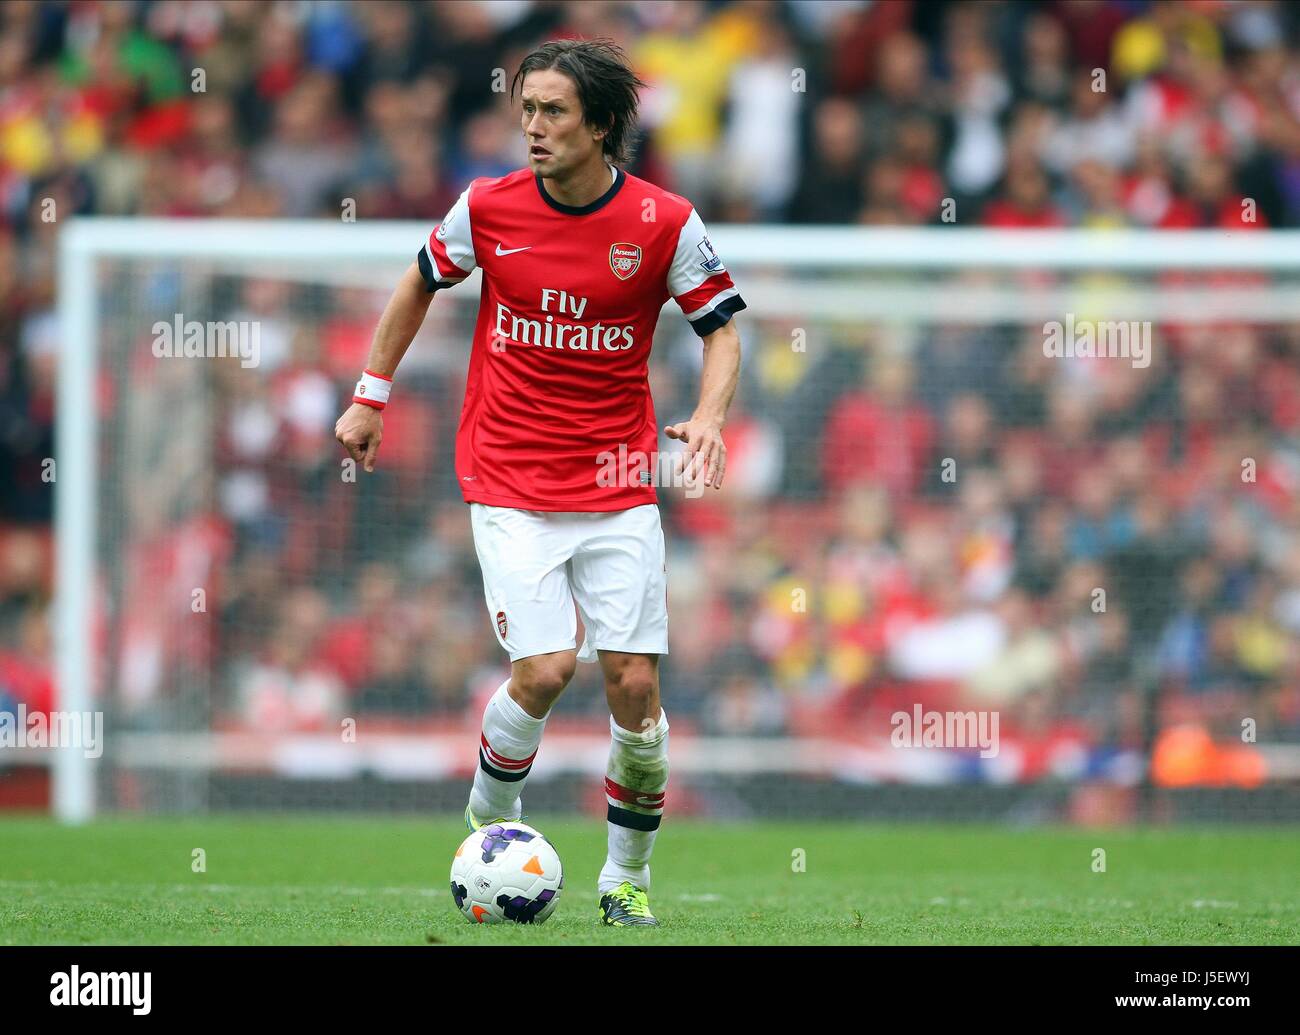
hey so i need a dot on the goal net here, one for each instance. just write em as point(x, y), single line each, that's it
point(1010, 530)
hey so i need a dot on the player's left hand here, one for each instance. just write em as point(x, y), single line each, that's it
point(705, 450)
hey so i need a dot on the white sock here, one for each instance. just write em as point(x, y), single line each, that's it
point(635, 782)
point(506, 752)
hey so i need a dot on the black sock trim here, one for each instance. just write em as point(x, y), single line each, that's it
point(500, 774)
point(632, 820)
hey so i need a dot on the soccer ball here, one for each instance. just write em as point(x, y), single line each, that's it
point(506, 873)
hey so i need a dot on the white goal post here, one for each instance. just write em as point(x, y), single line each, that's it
point(757, 256)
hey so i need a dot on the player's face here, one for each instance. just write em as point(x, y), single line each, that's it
point(559, 141)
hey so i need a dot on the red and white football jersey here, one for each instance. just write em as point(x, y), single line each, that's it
point(557, 375)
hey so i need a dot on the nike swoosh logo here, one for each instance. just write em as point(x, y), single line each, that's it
point(511, 251)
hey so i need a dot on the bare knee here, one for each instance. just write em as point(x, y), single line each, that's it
point(536, 682)
point(632, 687)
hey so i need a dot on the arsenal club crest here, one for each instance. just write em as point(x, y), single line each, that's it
point(624, 259)
point(501, 623)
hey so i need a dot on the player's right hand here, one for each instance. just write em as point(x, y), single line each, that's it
point(360, 429)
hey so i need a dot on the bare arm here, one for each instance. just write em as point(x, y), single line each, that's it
point(703, 432)
point(361, 428)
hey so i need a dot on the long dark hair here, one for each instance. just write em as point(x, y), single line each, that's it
point(607, 87)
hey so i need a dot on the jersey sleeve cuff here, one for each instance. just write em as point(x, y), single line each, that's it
point(722, 312)
point(427, 272)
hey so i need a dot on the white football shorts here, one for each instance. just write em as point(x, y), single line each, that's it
point(538, 564)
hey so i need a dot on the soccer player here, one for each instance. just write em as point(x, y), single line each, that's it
point(577, 259)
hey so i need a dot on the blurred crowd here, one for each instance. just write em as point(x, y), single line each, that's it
point(845, 575)
point(1066, 112)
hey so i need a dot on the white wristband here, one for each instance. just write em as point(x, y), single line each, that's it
point(372, 390)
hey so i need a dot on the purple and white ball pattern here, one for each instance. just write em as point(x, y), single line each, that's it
point(506, 873)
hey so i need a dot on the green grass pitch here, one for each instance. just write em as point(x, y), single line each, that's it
point(347, 880)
